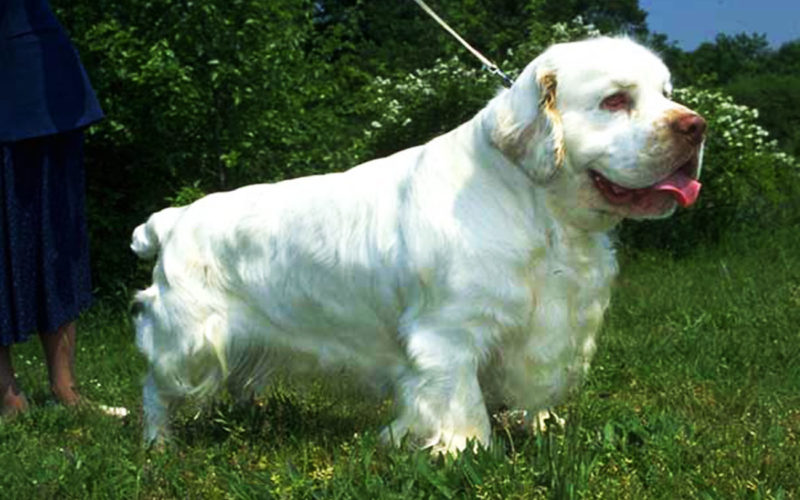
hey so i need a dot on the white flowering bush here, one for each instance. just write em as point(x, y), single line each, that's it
point(742, 161)
point(410, 110)
point(542, 36)
point(576, 29)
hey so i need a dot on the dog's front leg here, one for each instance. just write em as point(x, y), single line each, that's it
point(156, 413)
point(538, 371)
point(439, 397)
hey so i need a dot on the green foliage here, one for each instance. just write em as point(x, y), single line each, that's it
point(615, 16)
point(729, 56)
point(393, 38)
point(186, 195)
point(412, 108)
point(787, 60)
point(216, 91)
point(418, 106)
point(777, 97)
point(212, 94)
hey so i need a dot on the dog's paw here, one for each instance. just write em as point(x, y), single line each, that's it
point(545, 419)
point(520, 420)
point(455, 444)
point(394, 433)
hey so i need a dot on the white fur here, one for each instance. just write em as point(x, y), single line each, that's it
point(474, 267)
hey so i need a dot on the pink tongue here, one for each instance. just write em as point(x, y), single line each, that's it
point(682, 187)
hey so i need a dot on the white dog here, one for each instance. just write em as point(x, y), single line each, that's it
point(477, 265)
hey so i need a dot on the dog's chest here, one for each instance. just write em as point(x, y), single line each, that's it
point(561, 294)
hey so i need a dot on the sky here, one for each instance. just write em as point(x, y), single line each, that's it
point(692, 22)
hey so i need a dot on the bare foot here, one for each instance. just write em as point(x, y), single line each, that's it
point(14, 402)
point(59, 351)
point(66, 395)
point(70, 397)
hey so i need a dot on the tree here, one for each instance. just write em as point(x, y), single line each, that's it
point(725, 59)
point(396, 37)
point(611, 16)
point(787, 60)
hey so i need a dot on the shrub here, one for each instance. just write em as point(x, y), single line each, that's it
point(410, 109)
point(777, 98)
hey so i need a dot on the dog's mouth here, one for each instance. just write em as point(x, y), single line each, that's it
point(682, 185)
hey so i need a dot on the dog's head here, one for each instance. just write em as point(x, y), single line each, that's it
point(593, 122)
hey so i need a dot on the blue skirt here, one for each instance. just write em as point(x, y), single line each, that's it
point(44, 246)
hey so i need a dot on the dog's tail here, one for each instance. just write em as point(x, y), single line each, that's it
point(147, 238)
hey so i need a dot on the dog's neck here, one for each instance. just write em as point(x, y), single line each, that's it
point(544, 196)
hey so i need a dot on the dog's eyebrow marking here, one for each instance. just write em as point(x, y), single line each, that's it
point(624, 84)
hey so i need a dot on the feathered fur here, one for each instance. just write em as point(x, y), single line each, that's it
point(475, 266)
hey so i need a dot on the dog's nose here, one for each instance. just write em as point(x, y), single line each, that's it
point(690, 125)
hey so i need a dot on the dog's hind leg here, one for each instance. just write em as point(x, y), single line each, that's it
point(251, 374)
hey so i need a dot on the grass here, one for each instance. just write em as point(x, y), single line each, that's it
point(694, 393)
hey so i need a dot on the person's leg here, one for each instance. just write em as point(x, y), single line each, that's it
point(59, 351)
point(13, 400)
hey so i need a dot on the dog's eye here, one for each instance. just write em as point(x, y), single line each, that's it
point(621, 101)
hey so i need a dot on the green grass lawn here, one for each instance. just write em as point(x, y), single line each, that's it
point(694, 393)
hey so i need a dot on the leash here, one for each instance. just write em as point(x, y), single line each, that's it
point(489, 65)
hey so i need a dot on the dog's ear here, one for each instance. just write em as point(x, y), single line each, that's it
point(526, 125)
